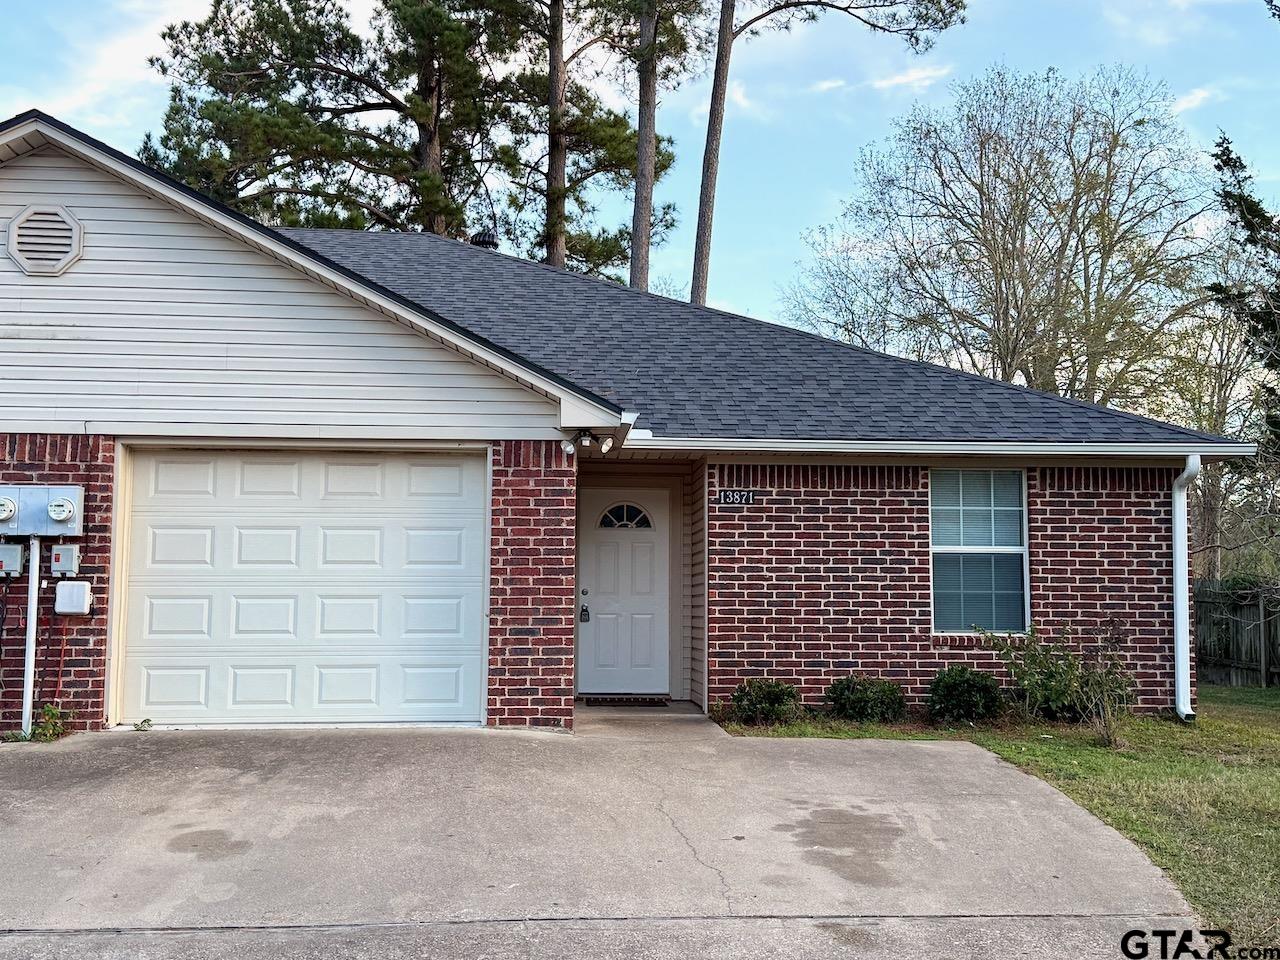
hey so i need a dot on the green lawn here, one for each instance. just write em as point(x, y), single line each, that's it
point(1202, 800)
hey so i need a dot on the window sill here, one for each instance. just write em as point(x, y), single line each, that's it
point(969, 640)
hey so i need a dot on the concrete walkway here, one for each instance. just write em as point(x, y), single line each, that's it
point(646, 827)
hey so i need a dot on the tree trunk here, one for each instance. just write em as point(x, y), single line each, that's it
point(711, 154)
point(428, 152)
point(646, 146)
point(557, 146)
point(1209, 534)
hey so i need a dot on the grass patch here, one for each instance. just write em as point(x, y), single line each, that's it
point(1203, 801)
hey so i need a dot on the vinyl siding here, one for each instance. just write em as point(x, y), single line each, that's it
point(167, 326)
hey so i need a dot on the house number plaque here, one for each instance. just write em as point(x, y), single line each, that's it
point(736, 498)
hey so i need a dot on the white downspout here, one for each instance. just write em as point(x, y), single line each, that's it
point(1181, 599)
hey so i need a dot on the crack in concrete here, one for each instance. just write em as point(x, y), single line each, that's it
point(18, 932)
point(693, 851)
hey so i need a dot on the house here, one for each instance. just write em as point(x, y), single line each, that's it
point(346, 477)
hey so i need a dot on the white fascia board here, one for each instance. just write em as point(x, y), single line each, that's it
point(282, 251)
point(644, 440)
point(575, 414)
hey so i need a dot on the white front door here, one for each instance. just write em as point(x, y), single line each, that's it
point(624, 543)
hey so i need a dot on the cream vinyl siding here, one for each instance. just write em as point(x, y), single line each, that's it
point(167, 326)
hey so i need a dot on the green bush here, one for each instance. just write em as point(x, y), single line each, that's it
point(867, 700)
point(960, 694)
point(1046, 676)
point(763, 701)
point(1054, 682)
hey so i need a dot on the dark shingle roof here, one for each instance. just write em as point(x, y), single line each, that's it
point(696, 372)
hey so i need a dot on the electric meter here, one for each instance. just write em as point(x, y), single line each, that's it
point(8, 508)
point(61, 510)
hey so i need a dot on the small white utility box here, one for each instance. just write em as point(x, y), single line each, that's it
point(11, 556)
point(72, 598)
point(64, 559)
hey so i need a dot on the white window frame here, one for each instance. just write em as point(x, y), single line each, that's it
point(1023, 550)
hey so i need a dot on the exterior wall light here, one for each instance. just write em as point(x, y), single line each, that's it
point(584, 439)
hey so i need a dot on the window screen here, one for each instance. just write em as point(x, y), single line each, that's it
point(979, 550)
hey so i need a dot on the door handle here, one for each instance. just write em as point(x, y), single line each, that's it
point(585, 614)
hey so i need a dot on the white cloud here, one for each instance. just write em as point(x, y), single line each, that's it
point(1195, 98)
point(826, 86)
point(916, 78)
point(106, 80)
point(737, 97)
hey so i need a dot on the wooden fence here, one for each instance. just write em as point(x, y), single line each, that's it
point(1237, 634)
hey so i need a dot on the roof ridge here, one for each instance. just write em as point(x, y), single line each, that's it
point(773, 326)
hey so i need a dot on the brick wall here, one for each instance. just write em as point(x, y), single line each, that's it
point(829, 573)
point(1099, 543)
point(72, 648)
point(531, 575)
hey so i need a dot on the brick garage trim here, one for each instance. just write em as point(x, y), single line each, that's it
point(829, 573)
point(72, 648)
point(532, 571)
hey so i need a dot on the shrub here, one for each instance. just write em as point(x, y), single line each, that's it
point(960, 694)
point(1057, 683)
point(763, 701)
point(1106, 685)
point(1047, 676)
point(867, 700)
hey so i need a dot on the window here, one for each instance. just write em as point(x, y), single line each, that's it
point(977, 529)
point(625, 515)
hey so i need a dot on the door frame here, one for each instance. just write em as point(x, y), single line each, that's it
point(677, 648)
point(121, 520)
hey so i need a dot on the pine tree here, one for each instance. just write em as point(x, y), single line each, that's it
point(283, 110)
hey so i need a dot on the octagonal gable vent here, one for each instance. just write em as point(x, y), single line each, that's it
point(45, 240)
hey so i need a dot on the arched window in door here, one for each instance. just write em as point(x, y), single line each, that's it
point(625, 515)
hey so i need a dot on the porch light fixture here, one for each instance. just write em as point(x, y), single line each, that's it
point(585, 438)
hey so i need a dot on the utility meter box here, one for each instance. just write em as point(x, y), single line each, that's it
point(36, 510)
point(64, 559)
point(72, 598)
point(11, 556)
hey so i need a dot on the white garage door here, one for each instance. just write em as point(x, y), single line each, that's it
point(282, 588)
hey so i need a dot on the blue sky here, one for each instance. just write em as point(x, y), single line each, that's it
point(802, 103)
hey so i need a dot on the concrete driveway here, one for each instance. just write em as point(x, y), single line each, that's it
point(644, 833)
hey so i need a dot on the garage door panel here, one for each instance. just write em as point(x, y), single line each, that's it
point(306, 689)
point(269, 588)
point(223, 546)
point(253, 614)
point(311, 482)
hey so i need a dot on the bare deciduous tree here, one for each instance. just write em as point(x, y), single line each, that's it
point(1038, 230)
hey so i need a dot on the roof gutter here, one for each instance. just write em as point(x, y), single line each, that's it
point(1181, 593)
point(645, 440)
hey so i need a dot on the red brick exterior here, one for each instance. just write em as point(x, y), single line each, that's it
point(1100, 545)
point(73, 648)
point(531, 583)
point(828, 573)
